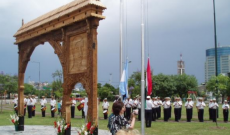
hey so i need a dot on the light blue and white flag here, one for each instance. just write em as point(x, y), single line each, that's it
point(123, 87)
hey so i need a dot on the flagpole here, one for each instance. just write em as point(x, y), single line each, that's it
point(215, 40)
point(142, 72)
point(121, 51)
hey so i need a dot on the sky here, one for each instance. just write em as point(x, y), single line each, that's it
point(173, 27)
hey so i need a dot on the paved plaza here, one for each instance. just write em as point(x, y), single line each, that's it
point(39, 130)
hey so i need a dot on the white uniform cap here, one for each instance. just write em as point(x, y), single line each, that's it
point(225, 101)
point(148, 97)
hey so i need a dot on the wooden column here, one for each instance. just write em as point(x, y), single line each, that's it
point(21, 101)
point(68, 117)
point(92, 103)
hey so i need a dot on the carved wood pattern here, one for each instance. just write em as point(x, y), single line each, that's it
point(69, 35)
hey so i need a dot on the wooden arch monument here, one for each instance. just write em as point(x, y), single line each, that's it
point(72, 31)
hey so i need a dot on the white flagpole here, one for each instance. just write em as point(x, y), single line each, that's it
point(121, 42)
point(142, 72)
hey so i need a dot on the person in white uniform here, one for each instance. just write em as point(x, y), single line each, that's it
point(189, 109)
point(82, 110)
point(159, 103)
point(148, 111)
point(29, 106)
point(214, 107)
point(105, 108)
point(139, 108)
point(225, 108)
point(25, 104)
point(166, 105)
point(34, 106)
point(200, 106)
point(128, 105)
point(154, 108)
point(73, 107)
point(52, 106)
point(210, 109)
point(43, 103)
point(15, 101)
point(177, 106)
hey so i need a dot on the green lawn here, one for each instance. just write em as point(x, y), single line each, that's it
point(158, 128)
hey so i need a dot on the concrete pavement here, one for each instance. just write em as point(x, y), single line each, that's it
point(39, 130)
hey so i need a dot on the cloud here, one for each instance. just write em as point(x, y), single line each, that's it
point(173, 27)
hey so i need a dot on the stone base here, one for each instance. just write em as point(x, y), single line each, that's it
point(21, 123)
point(68, 130)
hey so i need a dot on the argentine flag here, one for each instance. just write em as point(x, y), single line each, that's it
point(123, 87)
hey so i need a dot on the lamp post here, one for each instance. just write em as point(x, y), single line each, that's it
point(39, 76)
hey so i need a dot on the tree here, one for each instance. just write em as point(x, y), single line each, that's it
point(107, 91)
point(222, 84)
point(134, 84)
point(185, 83)
point(29, 89)
point(57, 83)
point(173, 85)
point(10, 83)
point(164, 85)
point(58, 74)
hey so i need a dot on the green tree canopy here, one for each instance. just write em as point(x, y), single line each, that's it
point(219, 85)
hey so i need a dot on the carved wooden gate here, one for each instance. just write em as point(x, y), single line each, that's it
point(72, 31)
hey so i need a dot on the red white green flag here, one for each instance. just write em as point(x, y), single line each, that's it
point(149, 79)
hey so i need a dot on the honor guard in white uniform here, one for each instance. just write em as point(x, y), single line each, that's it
point(225, 108)
point(200, 106)
point(116, 98)
point(52, 106)
point(82, 110)
point(214, 107)
point(135, 101)
point(29, 106)
point(43, 103)
point(128, 105)
point(189, 109)
point(154, 108)
point(15, 101)
point(159, 103)
point(177, 106)
point(139, 108)
point(73, 107)
point(166, 105)
point(34, 102)
point(210, 109)
point(180, 110)
point(25, 104)
point(148, 111)
point(105, 108)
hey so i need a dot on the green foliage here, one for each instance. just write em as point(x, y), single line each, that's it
point(219, 85)
point(184, 83)
point(57, 84)
point(107, 91)
point(134, 82)
point(165, 85)
point(9, 83)
point(29, 89)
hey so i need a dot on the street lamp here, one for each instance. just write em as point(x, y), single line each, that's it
point(39, 76)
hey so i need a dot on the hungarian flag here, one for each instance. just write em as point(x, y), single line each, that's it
point(149, 79)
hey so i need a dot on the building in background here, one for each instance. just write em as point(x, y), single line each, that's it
point(180, 66)
point(223, 61)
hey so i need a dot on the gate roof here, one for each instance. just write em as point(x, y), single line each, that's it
point(37, 26)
